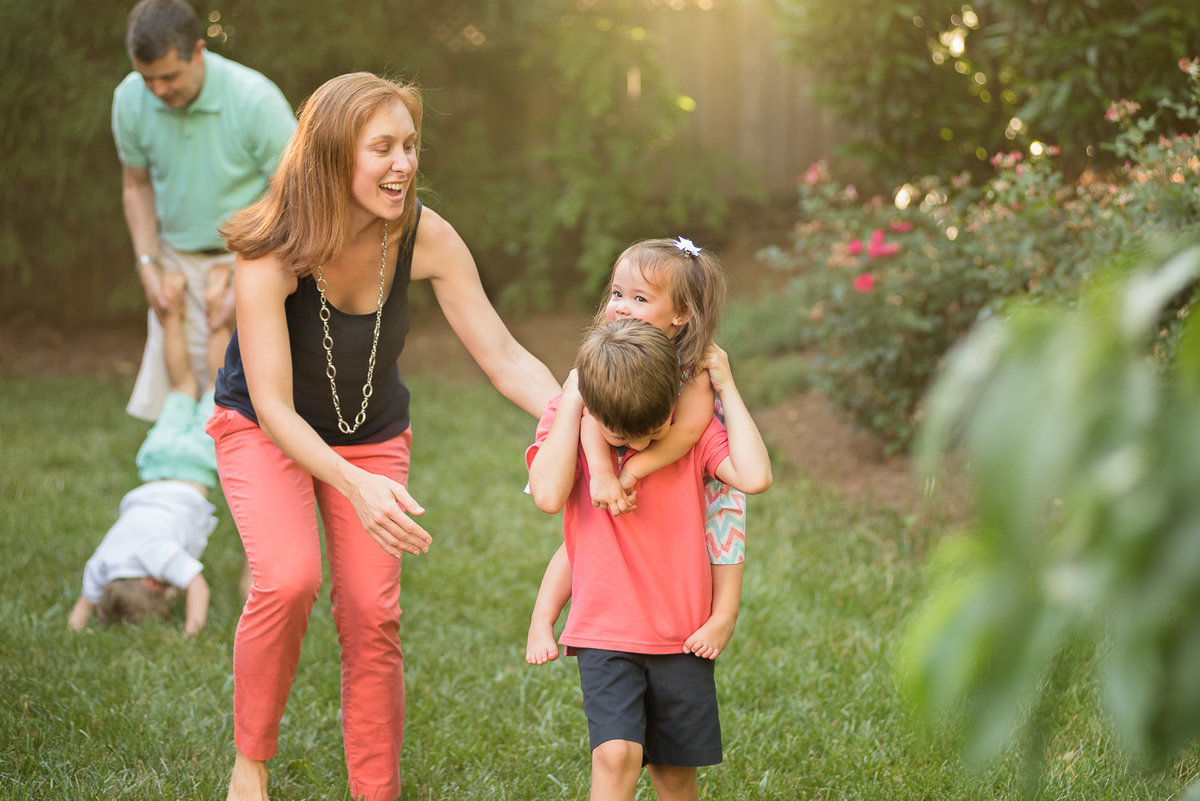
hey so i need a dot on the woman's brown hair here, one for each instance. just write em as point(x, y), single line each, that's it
point(302, 218)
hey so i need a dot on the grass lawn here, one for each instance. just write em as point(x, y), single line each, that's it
point(809, 701)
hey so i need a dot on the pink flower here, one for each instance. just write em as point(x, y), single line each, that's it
point(855, 247)
point(1122, 110)
point(817, 173)
point(876, 248)
point(900, 226)
point(864, 283)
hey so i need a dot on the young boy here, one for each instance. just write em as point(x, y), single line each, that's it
point(641, 581)
point(152, 551)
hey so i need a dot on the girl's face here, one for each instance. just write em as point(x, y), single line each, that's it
point(634, 295)
point(385, 164)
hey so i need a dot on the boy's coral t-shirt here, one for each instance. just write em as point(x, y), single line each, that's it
point(641, 581)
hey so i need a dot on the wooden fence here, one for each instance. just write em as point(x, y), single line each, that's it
point(751, 100)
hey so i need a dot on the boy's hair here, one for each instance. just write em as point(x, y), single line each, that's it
point(129, 600)
point(695, 283)
point(629, 376)
point(156, 27)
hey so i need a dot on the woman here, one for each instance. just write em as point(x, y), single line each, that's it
point(311, 409)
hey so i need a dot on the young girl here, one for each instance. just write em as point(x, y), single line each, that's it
point(680, 289)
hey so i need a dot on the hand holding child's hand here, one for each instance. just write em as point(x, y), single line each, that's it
point(716, 361)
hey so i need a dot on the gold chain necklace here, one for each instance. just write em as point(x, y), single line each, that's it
point(330, 370)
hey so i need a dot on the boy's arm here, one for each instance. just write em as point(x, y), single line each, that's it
point(693, 412)
point(606, 490)
point(197, 605)
point(748, 466)
point(555, 464)
point(80, 615)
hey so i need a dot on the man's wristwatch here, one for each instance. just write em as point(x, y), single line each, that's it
point(145, 259)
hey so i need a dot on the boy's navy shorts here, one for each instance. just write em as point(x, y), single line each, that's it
point(665, 702)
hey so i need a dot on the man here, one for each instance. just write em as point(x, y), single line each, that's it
point(198, 137)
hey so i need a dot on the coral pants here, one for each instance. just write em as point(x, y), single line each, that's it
point(273, 501)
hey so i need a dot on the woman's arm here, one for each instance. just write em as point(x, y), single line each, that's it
point(693, 413)
point(261, 286)
point(441, 256)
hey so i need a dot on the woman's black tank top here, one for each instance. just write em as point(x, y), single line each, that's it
point(387, 411)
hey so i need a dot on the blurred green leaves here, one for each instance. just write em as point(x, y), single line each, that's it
point(936, 85)
point(535, 147)
point(1084, 454)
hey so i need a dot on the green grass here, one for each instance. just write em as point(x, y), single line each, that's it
point(810, 708)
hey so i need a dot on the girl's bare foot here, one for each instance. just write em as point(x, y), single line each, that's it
point(249, 779)
point(710, 639)
point(540, 645)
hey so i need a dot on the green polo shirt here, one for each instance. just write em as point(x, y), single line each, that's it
point(207, 160)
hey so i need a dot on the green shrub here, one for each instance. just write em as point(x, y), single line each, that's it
point(533, 148)
point(922, 87)
point(879, 290)
point(1083, 454)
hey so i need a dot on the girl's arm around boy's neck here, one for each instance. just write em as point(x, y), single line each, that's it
point(748, 467)
point(553, 469)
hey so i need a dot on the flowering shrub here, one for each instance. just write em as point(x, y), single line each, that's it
point(879, 290)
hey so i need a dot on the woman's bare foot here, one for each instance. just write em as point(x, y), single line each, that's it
point(249, 779)
point(540, 646)
point(710, 639)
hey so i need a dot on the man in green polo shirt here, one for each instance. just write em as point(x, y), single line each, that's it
point(198, 137)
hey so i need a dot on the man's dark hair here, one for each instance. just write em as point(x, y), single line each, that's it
point(158, 26)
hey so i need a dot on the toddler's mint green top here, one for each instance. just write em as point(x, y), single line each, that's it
point(207, 160)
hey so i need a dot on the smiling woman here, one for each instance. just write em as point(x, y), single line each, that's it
point(320, 305)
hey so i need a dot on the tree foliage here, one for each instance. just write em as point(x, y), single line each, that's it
point(1083, 451)
point(534, 149)
point(934, 85)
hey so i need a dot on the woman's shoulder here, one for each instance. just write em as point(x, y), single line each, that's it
point(433, 228)
point(266, 271)
point(438, 246)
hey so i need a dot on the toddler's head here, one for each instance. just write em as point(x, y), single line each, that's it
point(132, 600)
point(674, 286)
point(629, 377)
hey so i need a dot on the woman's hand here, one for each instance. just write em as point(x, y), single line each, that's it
point(383, 507)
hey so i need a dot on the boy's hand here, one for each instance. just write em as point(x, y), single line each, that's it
point(608, 493)
point(570, 387)
point(716, 361)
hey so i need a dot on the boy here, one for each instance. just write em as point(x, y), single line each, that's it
point(641, 581)
point(152, 551)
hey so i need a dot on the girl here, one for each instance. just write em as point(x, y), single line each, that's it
point(679, 289)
